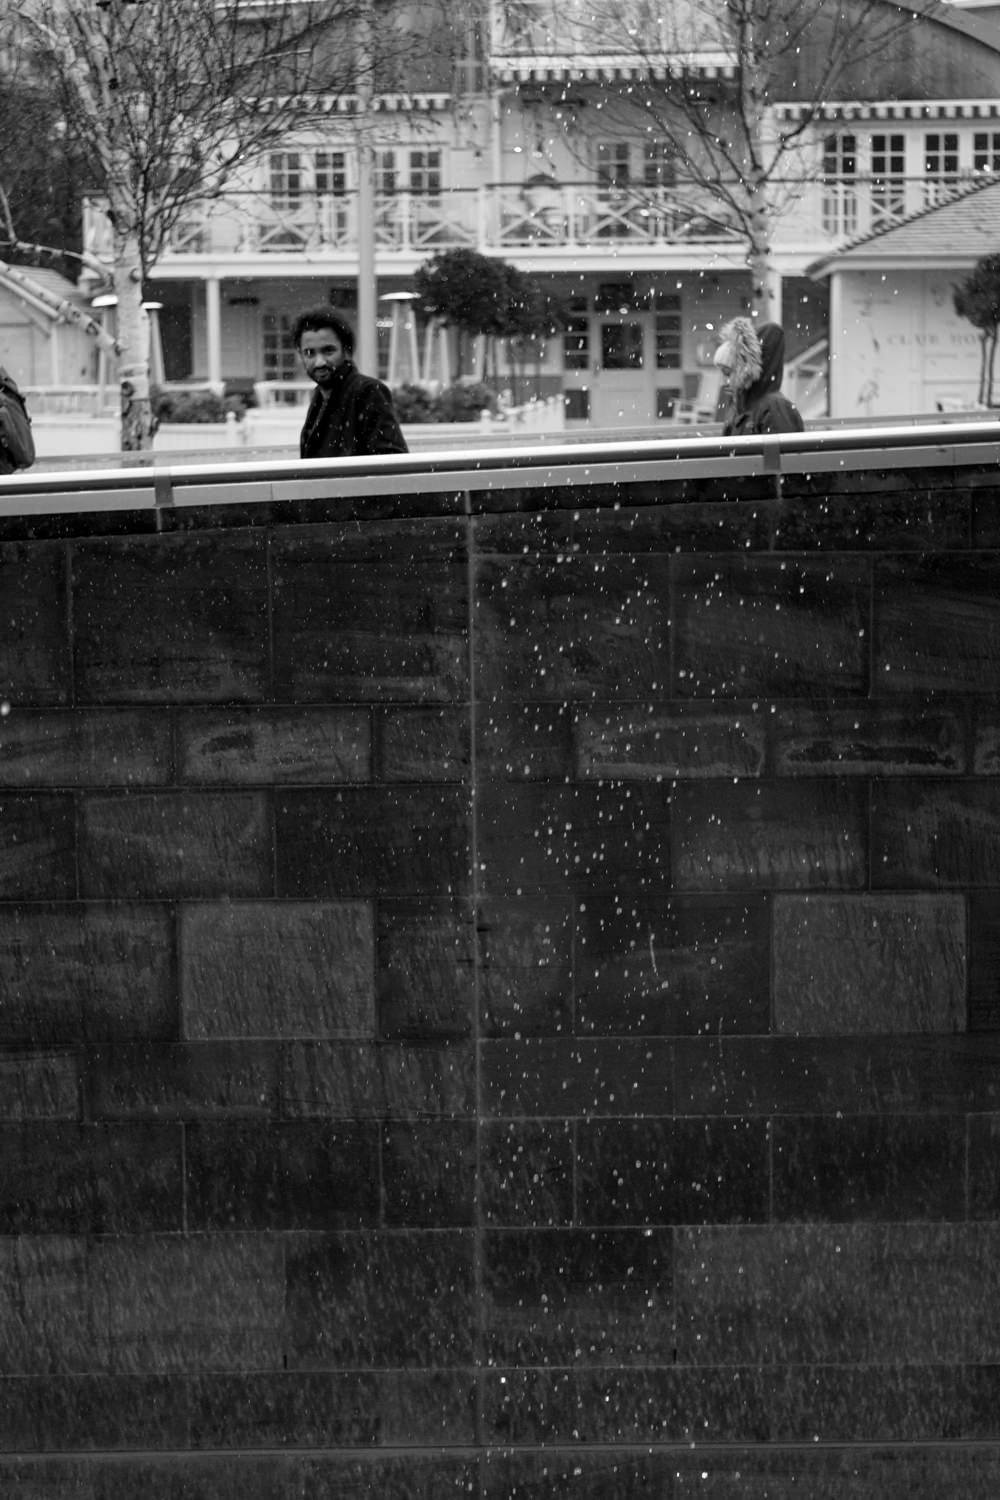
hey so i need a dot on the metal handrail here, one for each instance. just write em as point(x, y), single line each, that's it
point(622, 460)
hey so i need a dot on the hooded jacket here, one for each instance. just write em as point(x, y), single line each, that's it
point(756, 359)
point(354, 415)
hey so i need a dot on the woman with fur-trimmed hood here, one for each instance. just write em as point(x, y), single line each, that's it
point(752, 361)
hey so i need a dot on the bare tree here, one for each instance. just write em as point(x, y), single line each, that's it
point(175, 99)
point(700, 80)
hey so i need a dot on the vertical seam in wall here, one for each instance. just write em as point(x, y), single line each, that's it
point(472, 726)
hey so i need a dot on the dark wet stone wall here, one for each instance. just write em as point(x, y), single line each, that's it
point(508, 1004)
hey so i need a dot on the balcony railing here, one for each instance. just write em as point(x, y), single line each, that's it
point(537, 216)
point(541, 216)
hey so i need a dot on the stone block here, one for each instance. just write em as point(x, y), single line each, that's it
point(62, 1177)
point(37, 846)
point(777, 627)
point(577, 1296)
point(341, 1409)
point(851, 1294)
point(526, 967)
point(984, 1166)
point(886, 1168)
point(175, 844)
point(916, 1075)
point(425, 970)
point(885, 1472)
point(102, 1413)
point(183, 1081)
point(39, 1086)
point(560, 839)
point(814, 517)
point(171, 619)
point(849, 965)
point(34, 644)
point(748, 835)
point(563, 1077)
point(373, 841)
point(526, 1169)
point(868, 739)
point(657, 1171)
point(936, 623)
point(277, 969)
point(647, 742)
point(389, 1300)
point(85, 747)
point(239, 746)
point(188, 1303)
point(935, 834)
point(89, 972)
point(525, 741)
point(48, 1302)
point(984, 962)
point(280, 1175)
point(572, 627)
point(418, 744)
point(369, 630)
point(364, 1080)
point(429, 1173)
point(672, 967)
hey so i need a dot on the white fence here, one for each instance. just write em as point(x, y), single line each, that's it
point(66, 435)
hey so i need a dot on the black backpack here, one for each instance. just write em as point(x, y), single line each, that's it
point(17, 446)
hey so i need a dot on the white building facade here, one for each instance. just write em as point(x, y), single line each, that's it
point(514, 160)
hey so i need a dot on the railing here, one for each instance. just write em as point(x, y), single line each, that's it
point(539, 215)
point(532, 215)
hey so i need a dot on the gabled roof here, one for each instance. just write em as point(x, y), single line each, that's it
point(950, 235)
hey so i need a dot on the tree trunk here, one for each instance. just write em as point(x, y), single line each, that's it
point(133, 328)
point(992, 361)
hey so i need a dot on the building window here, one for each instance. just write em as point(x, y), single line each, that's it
point(331, 172)
point(840, 193)
point(888, 179)
point(668, 331)
point(425, 171)
point(281, 360)
point(285, 180)
point(986, 151)
point(940, 164)
point(576, 336)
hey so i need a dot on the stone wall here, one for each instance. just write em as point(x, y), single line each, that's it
point(503, 1002)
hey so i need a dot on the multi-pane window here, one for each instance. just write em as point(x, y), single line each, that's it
point(425, 170)
point(940, 163)
point(840, 199)
point(280, 358)
point(659, 165)
point(417, 169)
point(986, 151)
point(668, 330)
point(576, 336)
point(888, 154)
point(286, 179)
point(330, 172)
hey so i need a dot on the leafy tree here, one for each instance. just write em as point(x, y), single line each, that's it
point(977, 299)
point(465, 291)
point(701, 83)
point(481, 295)
point(174, 100)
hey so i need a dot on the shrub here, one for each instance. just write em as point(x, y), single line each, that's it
point(463, 403)
point(414, 404)
point(194, 406)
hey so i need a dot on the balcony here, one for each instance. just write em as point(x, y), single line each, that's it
point(539, 221)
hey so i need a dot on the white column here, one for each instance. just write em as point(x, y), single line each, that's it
point(213, 331)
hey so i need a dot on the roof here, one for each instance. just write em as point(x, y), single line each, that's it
point(952, 234)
